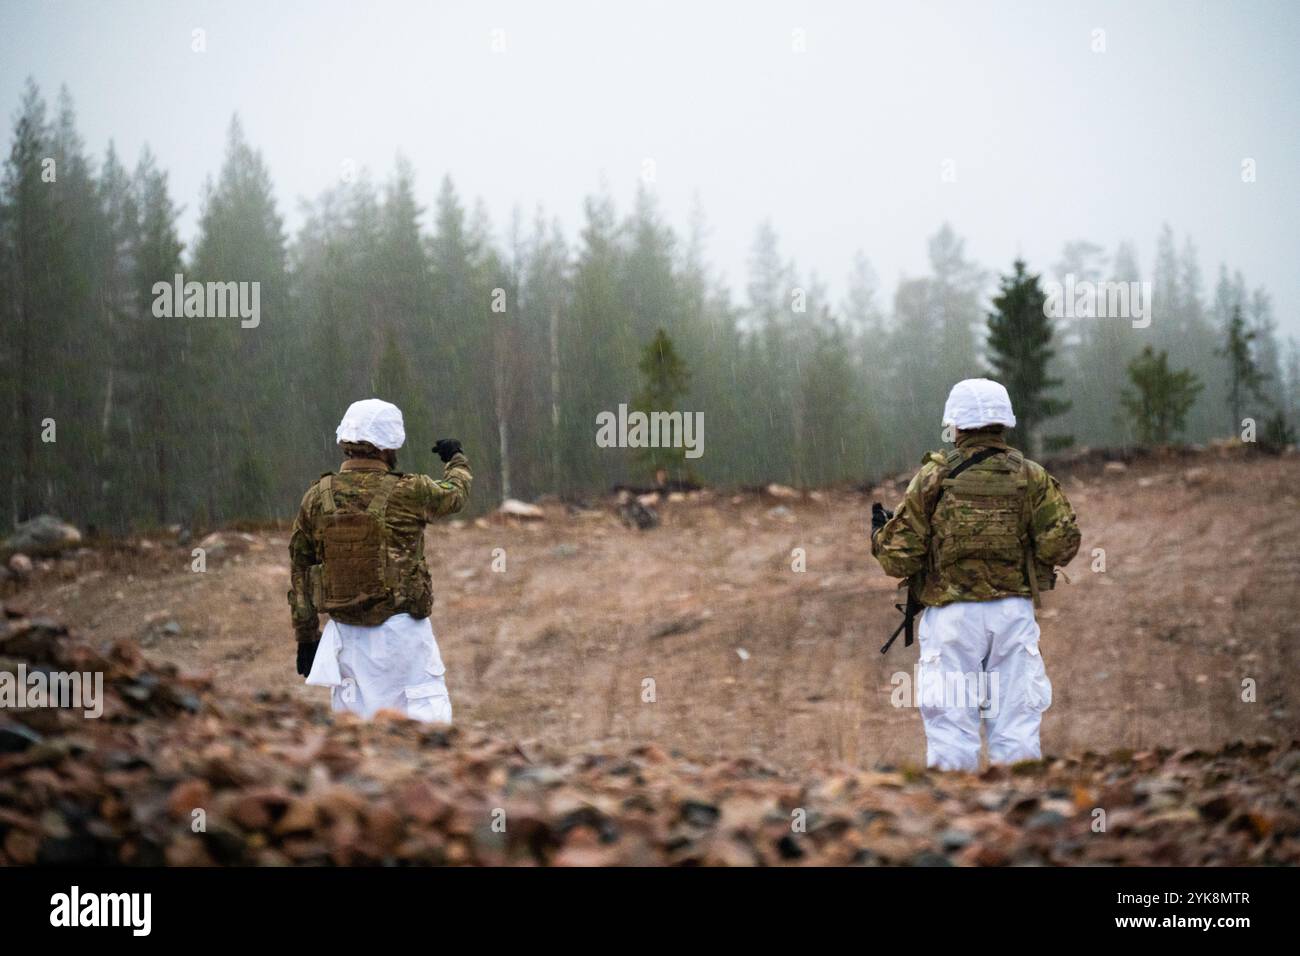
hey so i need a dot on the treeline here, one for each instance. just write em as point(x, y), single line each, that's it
point(512, 341)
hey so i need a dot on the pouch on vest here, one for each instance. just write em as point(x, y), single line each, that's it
point(352, 582)
point(981, 514)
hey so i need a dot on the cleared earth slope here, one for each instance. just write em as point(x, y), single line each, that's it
point(561, 631)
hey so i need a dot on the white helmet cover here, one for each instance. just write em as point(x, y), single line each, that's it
point(976, 403)
point(375, 421)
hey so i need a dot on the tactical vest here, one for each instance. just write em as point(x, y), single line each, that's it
point(354, 582)
point(983, 514)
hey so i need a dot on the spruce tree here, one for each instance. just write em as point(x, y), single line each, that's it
point(159, 385)
point(1244, 375)
point(1020, 348)
point(664, 382)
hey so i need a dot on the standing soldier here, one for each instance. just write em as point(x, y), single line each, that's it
point(979, 533)
point(357, 554)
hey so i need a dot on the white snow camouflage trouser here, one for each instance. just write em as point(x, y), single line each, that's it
point(980, 659)
point(395, 665)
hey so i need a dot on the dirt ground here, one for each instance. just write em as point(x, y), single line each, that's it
point(751, 657)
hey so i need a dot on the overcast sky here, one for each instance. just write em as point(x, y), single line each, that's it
point(843, 145)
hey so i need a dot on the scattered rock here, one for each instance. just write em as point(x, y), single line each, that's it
point(20, 565)
point(678, 625)
point(954, 839)
point(43, 536)
point(15, 738)
point(221, 544)
point(634, 514)
point(521, 510)
point(282, 782)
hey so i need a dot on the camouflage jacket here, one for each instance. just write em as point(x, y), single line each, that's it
point(415, 501)
point(905, 546)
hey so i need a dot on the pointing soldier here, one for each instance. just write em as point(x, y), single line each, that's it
point(357, 554)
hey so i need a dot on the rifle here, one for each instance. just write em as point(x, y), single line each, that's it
point(910, 610)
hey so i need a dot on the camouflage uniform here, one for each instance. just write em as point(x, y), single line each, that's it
point(904, 546)
point(415, 501)
point(979, 662)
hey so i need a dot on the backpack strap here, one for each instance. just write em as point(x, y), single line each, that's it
point(1031, 559)
point(379, 503)
point(377, 509)
point(960, 466)
point(956, 465)
point(327, 493)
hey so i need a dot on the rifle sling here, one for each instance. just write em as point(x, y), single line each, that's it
point(974, 459)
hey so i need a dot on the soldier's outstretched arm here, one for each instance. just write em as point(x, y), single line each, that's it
point(1054, 525)
point(448, 494)
point(901, 545)
point(302, 555)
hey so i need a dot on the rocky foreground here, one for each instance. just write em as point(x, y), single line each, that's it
point(175, 773)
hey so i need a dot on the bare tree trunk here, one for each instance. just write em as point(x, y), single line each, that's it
point(503, 443)
point(108, 404)
point(160, 456)
point(1235, 402)
point(555, 398)
point(500, 390)
point(26, 418)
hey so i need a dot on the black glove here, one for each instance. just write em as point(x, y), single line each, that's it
point(306, 654)
point(879, 516)
point(444, 448)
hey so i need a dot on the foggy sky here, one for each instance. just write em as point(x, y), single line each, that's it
point(841, 146)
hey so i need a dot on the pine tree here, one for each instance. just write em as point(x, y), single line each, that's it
point(1265, 349)
point(117, 464)
point(1244, 376)
point(544, 299)
point(241, 239)
point(600, 353)
point(1091, 348)
point(772, 385)
point(398, 277)
point(954, 297)
point(1020, 348)
point(1158, 404)
point(32, 332)
point(708, 336)
point(835, 424)
point(664, 383)
point(866, 339)
point(158, 379)
point(915, 404)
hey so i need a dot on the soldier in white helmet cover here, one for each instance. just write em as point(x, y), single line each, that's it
point(978, 534)
point(357, 554)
